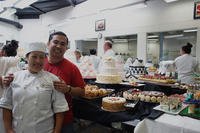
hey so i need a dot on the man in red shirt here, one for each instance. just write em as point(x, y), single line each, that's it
point(71, 83)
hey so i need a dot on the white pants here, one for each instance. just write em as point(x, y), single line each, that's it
point(1, 122)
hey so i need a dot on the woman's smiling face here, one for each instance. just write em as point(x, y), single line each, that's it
point(35, 61)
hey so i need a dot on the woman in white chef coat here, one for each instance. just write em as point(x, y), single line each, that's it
point(185, 64)
point(31, 104)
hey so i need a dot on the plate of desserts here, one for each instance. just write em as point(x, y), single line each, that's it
point(171, 105)
point(146, 96)
point(136, 84)
point(93, 92)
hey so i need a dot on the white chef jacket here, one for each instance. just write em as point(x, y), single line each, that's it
point(7, 65)
point(109, 53)
point(33, 101)
point(95, 61)
point(185, 66)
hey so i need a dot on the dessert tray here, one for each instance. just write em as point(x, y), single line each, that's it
point(174, 112)
point(106, 83)
point(112, 110)
point(145, 96)
point(157, 80)
point(93, 92)
point(99, 95)
point(128, 83)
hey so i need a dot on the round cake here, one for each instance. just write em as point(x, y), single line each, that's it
point(113, 104)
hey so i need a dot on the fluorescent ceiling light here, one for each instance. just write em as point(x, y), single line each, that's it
point(136, 5)
point(190, 30)
point(152, 36)
point(24, 3)
point(168, 1)
point(173, 36)
point(8, 12)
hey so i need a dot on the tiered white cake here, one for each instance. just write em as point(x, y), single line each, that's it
point(108, 72)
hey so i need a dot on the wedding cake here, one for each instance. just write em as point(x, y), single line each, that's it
point(108, 72)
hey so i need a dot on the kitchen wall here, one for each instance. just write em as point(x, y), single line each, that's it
point(159, 16)
point(79, 22)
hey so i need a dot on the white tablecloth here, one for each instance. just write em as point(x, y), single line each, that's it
point(169, 124)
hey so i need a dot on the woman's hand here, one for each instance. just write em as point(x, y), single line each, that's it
point(6, 80)
point(61, 86)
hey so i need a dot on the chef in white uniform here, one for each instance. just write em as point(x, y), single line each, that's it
point(108, 51)
point(31, 104)
point(185, 64)
point(6, 65)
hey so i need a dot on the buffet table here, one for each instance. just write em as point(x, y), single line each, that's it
point(169, 124)
point(90, 109)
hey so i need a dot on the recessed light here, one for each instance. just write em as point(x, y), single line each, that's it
point(168, 1)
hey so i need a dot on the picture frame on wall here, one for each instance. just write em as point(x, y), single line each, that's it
point(100, 25)
point(197, 10)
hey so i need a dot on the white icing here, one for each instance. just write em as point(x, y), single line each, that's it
point(114, 100)
point(109, 72)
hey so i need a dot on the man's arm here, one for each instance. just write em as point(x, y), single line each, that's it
point(64, 88)
point(7, 119)
point(59, 117)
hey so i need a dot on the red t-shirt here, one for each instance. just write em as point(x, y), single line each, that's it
point(71, 75)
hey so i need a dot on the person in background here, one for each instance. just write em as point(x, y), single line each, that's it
point(94, 59)
point(10, 49)
point(78, 55)
point(185, 64)
point(108, 51)
point(8, 65)
point(72, 83)
point(31, 104)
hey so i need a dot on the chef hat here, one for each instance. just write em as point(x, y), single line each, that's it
point(35, 46)
point(109, 41)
